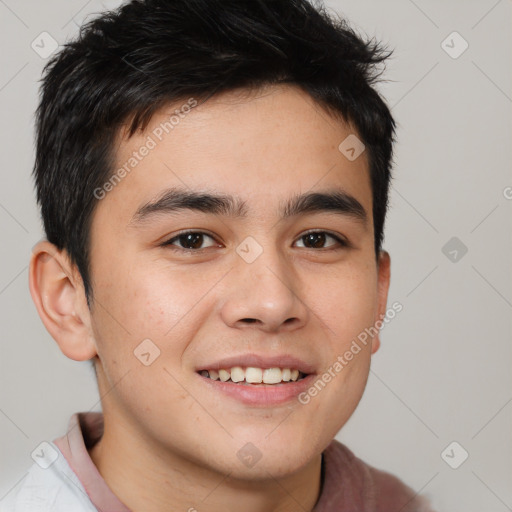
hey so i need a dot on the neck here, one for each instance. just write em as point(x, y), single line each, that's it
point(147, 478)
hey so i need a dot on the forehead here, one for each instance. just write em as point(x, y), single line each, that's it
point(276, 142)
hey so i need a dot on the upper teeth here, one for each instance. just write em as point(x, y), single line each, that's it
point(253, 375)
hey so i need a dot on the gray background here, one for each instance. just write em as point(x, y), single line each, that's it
point(442, 373)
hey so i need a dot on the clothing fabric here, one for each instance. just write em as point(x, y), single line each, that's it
point(65, 479)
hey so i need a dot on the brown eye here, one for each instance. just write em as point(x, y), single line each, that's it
point(189, 240)
point(317, 239)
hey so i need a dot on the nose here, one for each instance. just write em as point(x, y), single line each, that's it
point(264, 294)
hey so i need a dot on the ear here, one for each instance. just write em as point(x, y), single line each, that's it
point(383, 278)
point(58, 294)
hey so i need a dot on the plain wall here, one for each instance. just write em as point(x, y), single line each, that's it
point(442, 373)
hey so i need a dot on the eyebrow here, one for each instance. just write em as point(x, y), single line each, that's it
point(175, 200)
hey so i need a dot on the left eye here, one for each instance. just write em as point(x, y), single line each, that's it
point(317, 238)
point(193, 240)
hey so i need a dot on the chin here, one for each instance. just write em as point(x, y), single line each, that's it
point(260, 454)
point(270, 466)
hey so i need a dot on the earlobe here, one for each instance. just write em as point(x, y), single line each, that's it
point(383, 280)
point(58, 295)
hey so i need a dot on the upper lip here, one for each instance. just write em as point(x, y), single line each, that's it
point(259, 361)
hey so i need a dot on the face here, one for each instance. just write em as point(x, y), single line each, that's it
point(256, 285)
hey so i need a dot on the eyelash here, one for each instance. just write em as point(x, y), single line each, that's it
point(342, 243)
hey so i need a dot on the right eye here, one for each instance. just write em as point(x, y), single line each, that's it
point(189, 240)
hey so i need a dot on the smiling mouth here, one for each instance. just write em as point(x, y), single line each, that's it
point(251, 376)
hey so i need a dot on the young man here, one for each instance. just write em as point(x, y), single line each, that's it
point(213, 178)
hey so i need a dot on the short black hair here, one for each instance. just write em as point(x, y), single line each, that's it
point(128, 63)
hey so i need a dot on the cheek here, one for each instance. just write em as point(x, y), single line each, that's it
point(136, 296)
point(140, 332)
point(141, 300)
point(346, 308)
point(346, 303)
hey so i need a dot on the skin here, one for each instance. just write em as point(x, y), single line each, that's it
point(169, 440)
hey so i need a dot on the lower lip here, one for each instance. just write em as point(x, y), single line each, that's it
point(261, 394)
